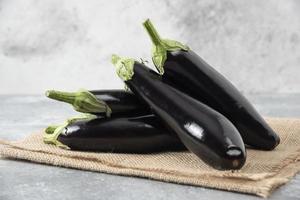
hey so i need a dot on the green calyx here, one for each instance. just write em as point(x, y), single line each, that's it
point(82, 101)
point(52, 132)
point(161, 46)
point(124, 67)
point(50, 136)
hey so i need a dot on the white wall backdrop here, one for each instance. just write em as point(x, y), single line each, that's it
point(60, 44)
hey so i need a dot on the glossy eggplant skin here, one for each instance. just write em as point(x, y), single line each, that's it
point(205, 132)
point(143, 134)
point(187, 72)
point(122, 103)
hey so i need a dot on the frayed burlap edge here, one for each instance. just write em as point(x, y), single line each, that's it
point(261, 187)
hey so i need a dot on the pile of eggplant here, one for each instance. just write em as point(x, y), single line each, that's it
point(185, 105)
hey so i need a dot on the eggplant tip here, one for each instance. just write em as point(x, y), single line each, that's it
point(237, 158)
point(276, 142)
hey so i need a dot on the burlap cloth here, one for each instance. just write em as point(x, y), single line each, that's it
point(262, 173)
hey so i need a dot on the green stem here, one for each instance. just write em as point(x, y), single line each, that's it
point(52, 132)
point(50, 129)
point(161, 46)
point(154, 36)
point(82, 101)
point(68, 97)
point(51, 138)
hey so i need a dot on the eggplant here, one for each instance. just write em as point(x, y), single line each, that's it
point(184, 70)
point(205, 132)
point(113, 103)
point(143, 134)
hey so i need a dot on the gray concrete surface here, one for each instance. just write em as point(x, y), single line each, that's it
point(67, 45)
point(22, 114)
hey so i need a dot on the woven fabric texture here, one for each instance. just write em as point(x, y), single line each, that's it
point(263, 172)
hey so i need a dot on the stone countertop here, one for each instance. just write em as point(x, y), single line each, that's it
point(23, 114)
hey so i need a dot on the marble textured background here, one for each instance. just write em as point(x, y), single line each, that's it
point(67, 44)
